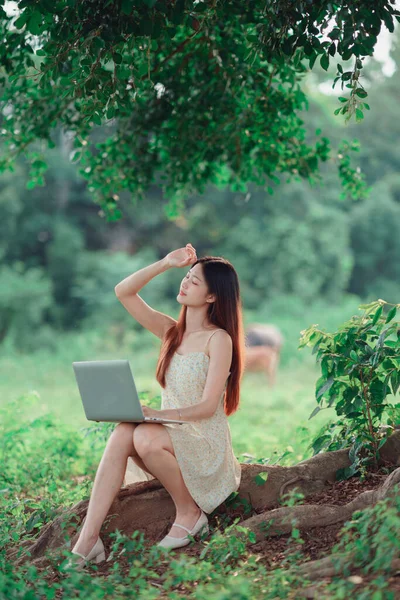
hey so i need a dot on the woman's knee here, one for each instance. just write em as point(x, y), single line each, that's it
point(123, 434)
point(144, 439)
point(148, 439)
point(140, 440)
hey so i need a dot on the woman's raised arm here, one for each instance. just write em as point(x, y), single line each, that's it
point(127, 290)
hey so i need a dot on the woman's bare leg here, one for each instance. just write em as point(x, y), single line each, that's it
point(154, 446)
point(107, 483)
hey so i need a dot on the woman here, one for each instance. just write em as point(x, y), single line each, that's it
point(199, 368)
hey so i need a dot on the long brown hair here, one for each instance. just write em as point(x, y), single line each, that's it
point(225, 313)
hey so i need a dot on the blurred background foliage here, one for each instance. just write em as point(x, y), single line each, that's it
point(300, 246)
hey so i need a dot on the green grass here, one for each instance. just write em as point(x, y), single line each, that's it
point(274, 421)
point(269, 422)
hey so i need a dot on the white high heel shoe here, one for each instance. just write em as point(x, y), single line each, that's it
point(96, 555)
point(201, 525)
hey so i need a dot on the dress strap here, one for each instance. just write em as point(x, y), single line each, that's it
point(208, 341)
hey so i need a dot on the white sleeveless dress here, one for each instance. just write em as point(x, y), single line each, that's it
point(203, 448)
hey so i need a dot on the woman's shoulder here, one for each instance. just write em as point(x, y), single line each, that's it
point(220, 341)
point(215, 329)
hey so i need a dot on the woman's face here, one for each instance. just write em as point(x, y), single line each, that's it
point(193, 290)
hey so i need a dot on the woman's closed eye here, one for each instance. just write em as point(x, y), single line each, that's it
point(187, 277)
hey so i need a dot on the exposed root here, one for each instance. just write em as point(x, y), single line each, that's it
point(148, 507)
point(281, 520)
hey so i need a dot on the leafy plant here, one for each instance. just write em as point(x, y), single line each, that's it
point(371, 543)
point(292, 498)
point(182, 87)
point(229, 546)
point(360, 366)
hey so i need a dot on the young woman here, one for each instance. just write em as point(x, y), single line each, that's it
point(200, 369)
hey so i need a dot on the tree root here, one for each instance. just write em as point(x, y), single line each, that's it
point(281, 520)
point(148, 507)
point(332, 566)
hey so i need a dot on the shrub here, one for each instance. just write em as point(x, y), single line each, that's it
point(360, 369)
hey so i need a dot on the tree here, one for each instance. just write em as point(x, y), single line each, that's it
point(194, 92)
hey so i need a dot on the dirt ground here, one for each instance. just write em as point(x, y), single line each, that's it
point(318, 542)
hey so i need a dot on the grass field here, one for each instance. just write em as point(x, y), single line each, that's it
point(269, 422)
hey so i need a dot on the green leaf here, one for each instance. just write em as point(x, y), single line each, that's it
point(327, 385)
point(325, 367)
point(361, 93)
point(350, 391)
point(324, 62)
point(286, 47)
point(76, 156)
point(315, 412)
point(377, 315)
point(34, 25)
point(392, 344)
point(387, 17)
point(378, 390)
point(391, 314)
point(295, 534)
point(252, 537)
point(110, 112)
point(354, 356)
point(320, 442)
point(126, 7)
point(261, 478)
point(20, 22)
point(143, 69)
point(395, 381)
point(359, 114)
point(334, 34)
point(96, 118)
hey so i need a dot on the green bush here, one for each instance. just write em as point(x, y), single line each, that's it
point(375, 239)
point(370, 541)
point(25, 296)
point(39, 457)
point(360, 365)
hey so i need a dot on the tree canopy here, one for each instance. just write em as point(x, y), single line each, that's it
point(191, 92)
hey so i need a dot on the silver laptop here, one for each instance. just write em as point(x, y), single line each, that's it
point(109, 393)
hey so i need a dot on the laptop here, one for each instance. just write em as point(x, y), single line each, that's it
point(109, 393)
